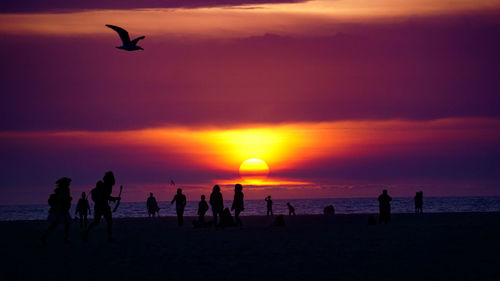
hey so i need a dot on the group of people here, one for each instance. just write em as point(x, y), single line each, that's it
point(217, 203)
point(220, 214)
point(385, 205)
point(218, 210)
point(60, 203)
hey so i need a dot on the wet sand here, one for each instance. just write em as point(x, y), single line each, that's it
point(455, 246)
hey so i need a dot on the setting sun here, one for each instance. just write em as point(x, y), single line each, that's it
point(254, 171)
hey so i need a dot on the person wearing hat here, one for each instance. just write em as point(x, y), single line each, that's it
point(60, 203)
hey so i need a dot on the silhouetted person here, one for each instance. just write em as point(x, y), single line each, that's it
point(152, 206)
point(385, 207)
point(60, 203)
point(269, 205)
point(291, 209)
point(101, 195)
point(329, 210)
point(217, 203)
point(419, 202)
point(180, 204)
point(238, 205)
point(202, 209)
point(83, 209)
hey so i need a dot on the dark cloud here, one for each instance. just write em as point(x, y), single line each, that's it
point(35, 162)
point(418, 69)
point(463, 163)
point(33, 6)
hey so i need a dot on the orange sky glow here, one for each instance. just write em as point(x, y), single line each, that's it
point(284, 147)
point(311, 18)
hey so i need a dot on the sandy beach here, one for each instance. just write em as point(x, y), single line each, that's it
point(455, 246)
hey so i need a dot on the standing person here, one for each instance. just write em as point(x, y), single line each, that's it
point(60, 203)
point(238, 205)
point(419, 202)
point(202, 209)
point(291, 209)
point(152, 206)
point(180, 203)
point(217, 203)
point(269, 205)
point(385, 207)
point(101, 195)
point(83, 209)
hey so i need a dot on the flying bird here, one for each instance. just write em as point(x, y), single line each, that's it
point(127, 44)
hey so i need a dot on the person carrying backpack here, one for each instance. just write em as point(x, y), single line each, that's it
point(60, 203)
point(101, 195)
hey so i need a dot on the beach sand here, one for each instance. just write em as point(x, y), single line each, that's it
point(455, 246)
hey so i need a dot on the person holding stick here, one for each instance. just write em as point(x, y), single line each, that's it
point(101, 195)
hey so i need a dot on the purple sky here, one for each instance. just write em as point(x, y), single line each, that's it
point(418, 68)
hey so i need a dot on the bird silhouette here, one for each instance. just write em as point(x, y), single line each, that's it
point(127, 44)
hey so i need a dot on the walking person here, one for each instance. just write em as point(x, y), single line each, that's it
point(180, 204)
point(82, 210)
point(101, 195)
point(60, 203)
point(152, 206)
point(291, 209)
point(238, 205)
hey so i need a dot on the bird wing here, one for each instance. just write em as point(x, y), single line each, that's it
point(134, 42)
point(122, 32)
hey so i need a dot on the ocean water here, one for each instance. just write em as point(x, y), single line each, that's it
point(302, 206)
